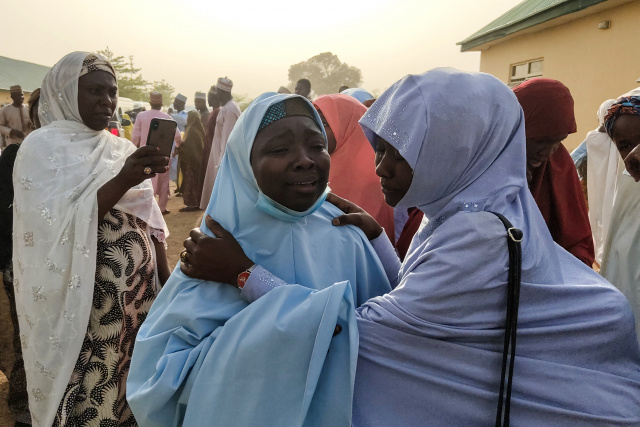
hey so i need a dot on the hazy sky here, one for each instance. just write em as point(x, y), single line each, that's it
point(190, 43)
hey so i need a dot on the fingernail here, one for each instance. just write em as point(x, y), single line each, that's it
point(335, 221)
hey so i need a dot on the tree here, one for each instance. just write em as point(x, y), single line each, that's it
point(326, 73)
point(243, 100)
point(130, 83)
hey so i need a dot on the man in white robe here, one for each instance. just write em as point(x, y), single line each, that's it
point(15, 124)
point(227, 117)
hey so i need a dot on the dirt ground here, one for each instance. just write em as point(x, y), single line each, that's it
point(179, 223)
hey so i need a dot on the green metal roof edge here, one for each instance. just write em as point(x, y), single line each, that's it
point(27, 74)
point(528, 22)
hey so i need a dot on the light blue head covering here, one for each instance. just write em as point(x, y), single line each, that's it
point(433, 346)
point(241, 191)
point(203, 357)
point(358, 93)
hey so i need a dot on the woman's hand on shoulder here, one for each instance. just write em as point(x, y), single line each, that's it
point(218, 259)
point(355, 215)
point(133, 171)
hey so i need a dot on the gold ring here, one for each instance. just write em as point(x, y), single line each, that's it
point(183, 256)
point(147, 170)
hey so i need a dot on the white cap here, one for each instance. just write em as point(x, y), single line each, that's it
point(225, 84)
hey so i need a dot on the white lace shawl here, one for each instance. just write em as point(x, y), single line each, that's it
point(57, 174)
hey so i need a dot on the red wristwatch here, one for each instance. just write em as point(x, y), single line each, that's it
point(244, 276)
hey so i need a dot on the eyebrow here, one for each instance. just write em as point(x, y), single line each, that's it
point(283, 132)
point(101, 85)
point(318, 131)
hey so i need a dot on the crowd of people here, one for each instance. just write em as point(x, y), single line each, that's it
point(424, 258)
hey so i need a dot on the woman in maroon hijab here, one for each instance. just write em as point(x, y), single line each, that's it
point(553, 181)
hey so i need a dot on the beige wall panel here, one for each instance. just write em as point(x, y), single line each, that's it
point(594, 64)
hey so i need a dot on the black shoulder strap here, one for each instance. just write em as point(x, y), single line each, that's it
point(514, 237)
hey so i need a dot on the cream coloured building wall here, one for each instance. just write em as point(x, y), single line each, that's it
point(594, 64)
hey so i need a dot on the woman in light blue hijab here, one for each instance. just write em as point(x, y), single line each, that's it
point(453, 144)
point(204, 357)
point(358, 93)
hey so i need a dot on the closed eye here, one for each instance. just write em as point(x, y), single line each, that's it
point(277, 151)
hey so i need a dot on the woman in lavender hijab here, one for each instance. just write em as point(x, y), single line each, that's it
point(453, 144)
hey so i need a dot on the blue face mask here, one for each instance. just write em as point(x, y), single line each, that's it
point(275, 209)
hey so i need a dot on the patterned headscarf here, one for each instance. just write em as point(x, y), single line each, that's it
point(94, 62)
point(622, 106)
point(59, 93)
point(287, 108)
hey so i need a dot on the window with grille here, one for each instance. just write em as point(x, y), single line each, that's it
point(525, 71)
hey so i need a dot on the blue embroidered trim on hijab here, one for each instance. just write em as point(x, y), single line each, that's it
point(287, 108)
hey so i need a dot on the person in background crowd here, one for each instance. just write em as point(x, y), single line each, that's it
point(139, 138)
point(579, 157)
point(352, 174)
point(201, 105)
point(430, 350)
point(358, 93)
point(88, 251)
point(602, 168)
point(128, 129)
point(621, 259)
point(18, 398)
point(34, 102)
point(137, 108)
point(342, 89)
point(170, 110)
point(214, 103)
point(14, 118)
point(552, 176)
point(180, 116)
point(303, 88)
point(191, 157)
point(283, 90)
point(212, 100)
point(226, 120)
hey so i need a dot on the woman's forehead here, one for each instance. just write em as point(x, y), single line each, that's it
point(97, 78)
point(288, 125)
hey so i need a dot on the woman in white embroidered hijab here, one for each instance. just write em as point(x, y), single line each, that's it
point(602, 169)
point(87, 230)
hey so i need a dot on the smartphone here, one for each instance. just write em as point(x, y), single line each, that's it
point(161, 134)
